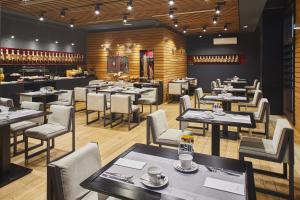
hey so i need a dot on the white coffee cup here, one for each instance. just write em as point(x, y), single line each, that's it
point(154, 174)
point(186, 161)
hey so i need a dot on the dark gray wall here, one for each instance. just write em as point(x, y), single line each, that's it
point(27, 29)
point(248, 45)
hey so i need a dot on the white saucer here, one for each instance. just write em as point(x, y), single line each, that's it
point(220, 114)
point(146, 181)
point(178, 167)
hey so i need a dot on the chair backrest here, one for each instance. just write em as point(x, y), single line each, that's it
point(194, 82)
point(61, 115)
point(152, 94)
point(263, 111)
point(258, 86)
point(95, 82)
point(65, 175)
point(185, 85)
point(213, 84)
point(120, 104)
point(6, 102)
point(67, 96)
point(281, 125)
point(255, 83)
point(157, 124)
point(185, 103)
point(219, 82)
point(80, 94)
point(199, 93)
point(257, 97)
point(96, 102)
point(175, 89)
point(34, 106)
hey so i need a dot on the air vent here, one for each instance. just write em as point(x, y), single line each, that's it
point(225, 41)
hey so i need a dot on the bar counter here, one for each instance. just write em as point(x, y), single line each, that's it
point(12, 89)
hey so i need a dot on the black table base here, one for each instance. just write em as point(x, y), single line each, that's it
point(229, 135)
point(15, 172)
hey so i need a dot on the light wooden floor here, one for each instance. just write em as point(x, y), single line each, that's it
point(114, 141)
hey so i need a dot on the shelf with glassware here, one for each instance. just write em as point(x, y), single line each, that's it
point(12, 56)
point(215, 59)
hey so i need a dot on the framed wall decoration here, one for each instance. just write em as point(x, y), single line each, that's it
point(117, 64)
point(147, 64)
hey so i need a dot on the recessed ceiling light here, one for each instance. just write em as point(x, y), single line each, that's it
point(73, 44)
point(125, 19)
point(12, 37)
point(220, 35)
point(204, 28)
point(200, 36)
point(175, 23)
point(184, 30)
point(37, 39)
point(41, 18)
point(97, 9)
point(215, 20)
point(63, 13)
point(171, 14)
point(218, 11)
point(72, 25)
point(226, 28)
point(56, 42)
point(245, 26)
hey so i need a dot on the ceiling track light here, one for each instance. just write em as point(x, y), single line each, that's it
point(130, 5)
point(215, 20)
point(63, 13)
point(72, 25)
point(37, 39)
point(176, 23)
point(97, 9)
point(125, 19)
point(218, 10)
point(184, 30)
point(41, 17)
point(171, 2)
point(171, 13)
point(226, 27)
point(204, 28)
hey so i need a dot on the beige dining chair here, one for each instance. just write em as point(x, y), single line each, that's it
point(279, 150)
point(254, 103)
point(174, 90)
point(61, 121)
point(80, 96)
point(65, 175)
point(6, 102)
point(122, 104)
point(96, 102)
point(64, 99)
point(149, 98)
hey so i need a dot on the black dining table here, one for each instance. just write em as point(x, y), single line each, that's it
point(122, 190)
point(239, 119)
point(236, 84)
point(10, 172)
point(226, 104)
point(234, 91)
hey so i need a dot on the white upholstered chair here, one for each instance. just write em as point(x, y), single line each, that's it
point(213, 85)
point(252, 87)
point(149, 98)
point(254, 103)
point(18, 129)
point(158, 131)
point(96, 82)
point(280, 150)
point(122, 104)
point(80, 96)
point(60, 121)
point(174, 89)
point(65, 175)
point(96, 102)
point(6, 102)
point(219, 83)
point(197, 98)
point(252, 91)
point(65, 99)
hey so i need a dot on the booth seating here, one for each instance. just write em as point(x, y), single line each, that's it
point(149, 98)
point(65, 175)
point(64, 99)
point(18, 129)
point(60, 122)
point(96, 102)
point(279, 150)
point(158, 131)
point(184, 104)
point(80, 96)
point(122, 104)
point(174, 90)
point(254, 103)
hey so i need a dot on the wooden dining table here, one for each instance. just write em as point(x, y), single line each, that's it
point(10, 172)
point(181, 185)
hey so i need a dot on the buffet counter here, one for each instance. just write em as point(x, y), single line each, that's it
point(12, 89)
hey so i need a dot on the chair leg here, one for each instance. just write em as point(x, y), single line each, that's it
point(26, 149)
point(15, 145)
point(291, 181)
point(142, 108)
point(150, 108)
point(111, 119)
point(48, 152)
point(129, 116)
point(156, 106)
point(53, 143)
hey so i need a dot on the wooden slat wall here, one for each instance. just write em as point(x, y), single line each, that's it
point(169, 51)
point(297, 70)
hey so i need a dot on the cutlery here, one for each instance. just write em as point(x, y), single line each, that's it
point(228, 172)
point(119, 178)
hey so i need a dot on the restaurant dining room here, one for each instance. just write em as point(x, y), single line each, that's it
point(149, 99)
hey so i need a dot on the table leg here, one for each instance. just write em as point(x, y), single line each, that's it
point(9, 172)
point(225, 133)
point(215, 140)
